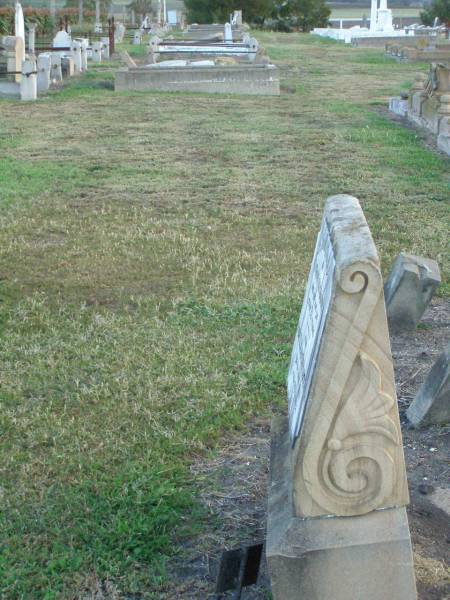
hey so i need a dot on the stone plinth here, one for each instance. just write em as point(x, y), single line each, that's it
point(367, 557)
point(233, 79)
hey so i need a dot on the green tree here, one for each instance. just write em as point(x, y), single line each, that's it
point(304, 15)
point(142, 8)
point(210, 11)
point(439, 9)
point(307, 14)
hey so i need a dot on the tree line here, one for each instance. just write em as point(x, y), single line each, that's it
point(281, 15)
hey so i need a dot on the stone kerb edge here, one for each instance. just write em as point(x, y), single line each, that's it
point(348, 459)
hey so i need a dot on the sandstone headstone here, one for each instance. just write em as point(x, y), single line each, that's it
point(431, 406)
point(14, 51)
point(409, 289)
point(337, 525)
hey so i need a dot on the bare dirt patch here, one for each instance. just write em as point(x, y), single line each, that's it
point(234, 485)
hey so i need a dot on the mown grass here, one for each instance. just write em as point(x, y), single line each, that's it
point(155, 249)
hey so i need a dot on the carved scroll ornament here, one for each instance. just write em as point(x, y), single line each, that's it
point(349, 463)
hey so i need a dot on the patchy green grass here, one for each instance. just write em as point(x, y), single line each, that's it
point(155, 249)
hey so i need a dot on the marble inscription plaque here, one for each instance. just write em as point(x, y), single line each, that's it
point(312, 320)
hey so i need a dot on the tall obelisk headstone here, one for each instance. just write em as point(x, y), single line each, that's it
point(19, 27)
point(337, 525)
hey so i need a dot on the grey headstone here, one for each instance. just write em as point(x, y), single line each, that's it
point(409, 289)
point(431, 406)
point(43, 72)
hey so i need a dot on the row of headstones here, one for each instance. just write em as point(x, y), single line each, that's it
point(50, 67)
point(138, 35)
point(427, 104)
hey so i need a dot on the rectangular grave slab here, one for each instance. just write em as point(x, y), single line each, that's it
point(338, 486)
point(232, 79)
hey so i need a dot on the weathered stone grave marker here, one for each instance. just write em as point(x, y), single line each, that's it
point(44, 64)
point(28, 82)
point(431, 406)
point(409, 289)
point(337, 525)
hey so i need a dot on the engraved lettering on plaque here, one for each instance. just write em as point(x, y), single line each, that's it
point(313, 315)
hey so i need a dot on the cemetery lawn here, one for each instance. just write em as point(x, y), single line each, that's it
point(154, 252)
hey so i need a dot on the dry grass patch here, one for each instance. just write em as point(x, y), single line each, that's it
point(154, 252)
